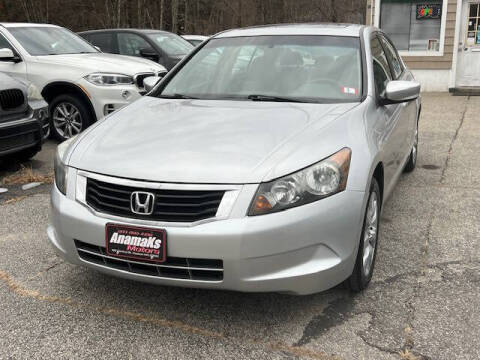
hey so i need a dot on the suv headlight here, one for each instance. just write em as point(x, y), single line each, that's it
point(61, 170)
point(109, 79)
point(33, 94)
point(315, 182)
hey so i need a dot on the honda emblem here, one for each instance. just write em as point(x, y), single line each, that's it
point(142, 203)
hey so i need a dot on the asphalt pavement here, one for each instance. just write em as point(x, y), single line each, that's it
point(423, 302)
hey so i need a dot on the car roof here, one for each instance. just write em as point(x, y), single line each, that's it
point(195, 37)
point(142, 31)
point(12, 25)
point(330, 29)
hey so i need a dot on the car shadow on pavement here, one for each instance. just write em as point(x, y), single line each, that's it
point(250, 314)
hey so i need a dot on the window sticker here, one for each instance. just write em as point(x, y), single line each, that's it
point(349, 91)
point(429, 11)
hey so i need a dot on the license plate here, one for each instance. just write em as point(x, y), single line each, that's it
point(136, 243)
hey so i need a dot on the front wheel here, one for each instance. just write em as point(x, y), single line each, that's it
point(68, 116)
point(367, 250)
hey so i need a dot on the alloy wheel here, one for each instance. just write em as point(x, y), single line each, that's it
point(370, 234)
point(67, 120)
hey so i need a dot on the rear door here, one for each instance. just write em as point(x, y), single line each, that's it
point(16, 69)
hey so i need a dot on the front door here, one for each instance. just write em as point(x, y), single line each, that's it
point(468, 65)
point(15, 69)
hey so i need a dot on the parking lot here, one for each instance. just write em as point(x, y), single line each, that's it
point(422, 303)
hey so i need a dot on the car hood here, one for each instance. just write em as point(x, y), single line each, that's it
point(198, 141)
point(101, 62)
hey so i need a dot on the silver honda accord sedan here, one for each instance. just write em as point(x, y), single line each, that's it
point(259, 163)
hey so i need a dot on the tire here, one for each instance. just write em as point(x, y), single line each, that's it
point(69, 116)
point(365, 262)
point(412, 159)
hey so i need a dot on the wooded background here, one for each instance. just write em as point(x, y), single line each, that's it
point(180, 16)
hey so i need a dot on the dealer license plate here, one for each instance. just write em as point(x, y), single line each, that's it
point(136, 243)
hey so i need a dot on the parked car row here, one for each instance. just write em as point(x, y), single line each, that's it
point(309, 127)
point(81, 80)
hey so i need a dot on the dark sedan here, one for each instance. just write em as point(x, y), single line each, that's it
point(160, 46)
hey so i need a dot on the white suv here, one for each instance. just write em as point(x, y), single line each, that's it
point(80, 83)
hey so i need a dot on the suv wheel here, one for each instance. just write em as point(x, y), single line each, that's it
point(367, 250)
point(68, 116)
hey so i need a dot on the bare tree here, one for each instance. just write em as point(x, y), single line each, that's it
point(180, 16)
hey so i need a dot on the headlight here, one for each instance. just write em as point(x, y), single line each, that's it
point(33, 93)
point(61, 170)
point(109, 79)
point(318, 181)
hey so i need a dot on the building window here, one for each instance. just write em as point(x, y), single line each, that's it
point(413, 25)
point(473, 33)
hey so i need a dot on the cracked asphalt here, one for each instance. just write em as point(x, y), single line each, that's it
point(423, 302)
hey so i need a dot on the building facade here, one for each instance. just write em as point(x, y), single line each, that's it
point(438, 39)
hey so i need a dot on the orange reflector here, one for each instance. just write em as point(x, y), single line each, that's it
point(262, 204)
point(84, 90)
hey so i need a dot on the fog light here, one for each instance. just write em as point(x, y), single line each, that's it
point(108, 109)
point(126, 94)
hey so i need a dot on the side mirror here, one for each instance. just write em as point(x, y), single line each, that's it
point(149, 53)
point(8, 55)
point(399, 91)
point(150, 82)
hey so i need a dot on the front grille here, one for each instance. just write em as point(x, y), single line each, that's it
point(173, 267)
point(20, 136)
point(11, 99)
point(140, 77)
point(170, 205)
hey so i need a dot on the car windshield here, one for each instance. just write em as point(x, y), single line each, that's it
point(272, 68)
point(42, 40)
point(172, 44)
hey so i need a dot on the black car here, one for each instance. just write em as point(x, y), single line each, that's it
point(23, 121)
point(160, 46)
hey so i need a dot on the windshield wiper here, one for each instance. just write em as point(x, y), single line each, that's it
point(177, 96)
point(256, 97)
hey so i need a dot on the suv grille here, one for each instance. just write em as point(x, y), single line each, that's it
point(140, 77)
point(169, 206)
point(173, 267)
point(11, 99)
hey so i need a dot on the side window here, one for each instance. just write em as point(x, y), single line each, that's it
point(4, 44)
point(381, 70)
point(102, 40)
point(392, 57)
point(131, 44)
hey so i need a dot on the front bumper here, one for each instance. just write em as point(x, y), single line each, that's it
point(20, 134)
point(302, 250)
point(107, 99)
